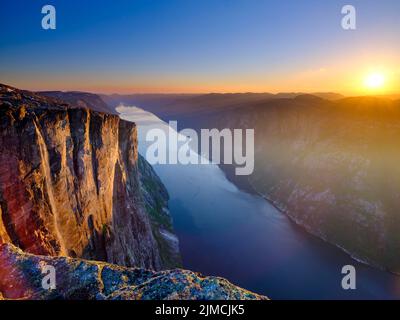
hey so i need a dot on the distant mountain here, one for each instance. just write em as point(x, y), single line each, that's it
point(152, 101)
point(391, 96)
point(169, 105)
point(323, 95)
point(328, 95)
point(81, 99)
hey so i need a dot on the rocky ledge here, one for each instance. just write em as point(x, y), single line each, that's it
point(22, 274)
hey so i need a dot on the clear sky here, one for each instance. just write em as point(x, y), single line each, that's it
point(130, 46)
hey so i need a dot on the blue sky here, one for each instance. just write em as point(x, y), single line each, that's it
point(196, 45)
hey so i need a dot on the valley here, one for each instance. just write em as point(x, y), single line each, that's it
point(240, 236)
point(330, 165)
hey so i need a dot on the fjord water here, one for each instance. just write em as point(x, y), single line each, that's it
point(226, 232)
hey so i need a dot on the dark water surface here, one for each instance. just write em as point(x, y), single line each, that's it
point(226, 232)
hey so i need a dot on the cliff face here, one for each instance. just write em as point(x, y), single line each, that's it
point(156, 197)
point(332, 167)
point(69, 183)
point(21, 278)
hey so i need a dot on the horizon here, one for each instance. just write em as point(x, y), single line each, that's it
point(377, 95)
point(204, 47)
point(391, 95)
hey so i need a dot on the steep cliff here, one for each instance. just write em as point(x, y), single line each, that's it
point(332, 167)
point(153, 192)
point(70, 186)
point(156, 197)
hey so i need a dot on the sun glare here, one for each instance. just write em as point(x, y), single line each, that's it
point(374, 81)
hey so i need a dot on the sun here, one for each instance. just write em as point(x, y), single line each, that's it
point(374, 81)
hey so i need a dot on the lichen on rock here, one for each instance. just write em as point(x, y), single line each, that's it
point(21, 278)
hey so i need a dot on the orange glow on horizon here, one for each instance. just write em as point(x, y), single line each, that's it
point(344, 78)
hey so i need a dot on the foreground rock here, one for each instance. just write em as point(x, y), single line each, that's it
point(21, 278)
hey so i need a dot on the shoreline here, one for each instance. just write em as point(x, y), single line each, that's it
point(249, 188)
